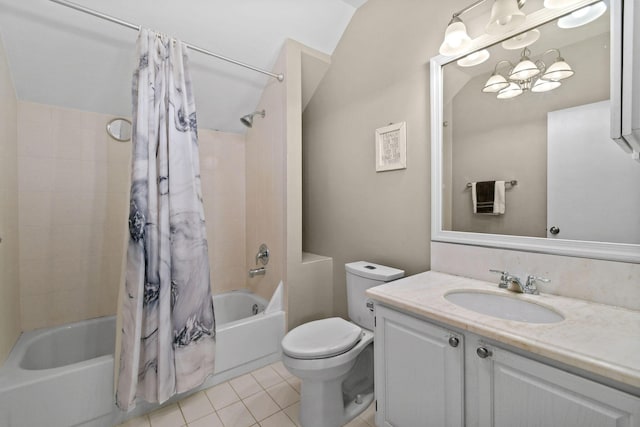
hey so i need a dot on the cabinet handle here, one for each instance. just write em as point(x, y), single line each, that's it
point(453, 341)
point(483, 352)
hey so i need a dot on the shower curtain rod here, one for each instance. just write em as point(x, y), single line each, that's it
point(279, 77)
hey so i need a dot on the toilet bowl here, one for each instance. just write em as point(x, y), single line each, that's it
point(334, 357)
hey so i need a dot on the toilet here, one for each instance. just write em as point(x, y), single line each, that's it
point(334, 357)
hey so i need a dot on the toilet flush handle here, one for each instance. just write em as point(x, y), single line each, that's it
point(370, 305)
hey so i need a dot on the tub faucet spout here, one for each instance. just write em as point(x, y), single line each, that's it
point(257, 271)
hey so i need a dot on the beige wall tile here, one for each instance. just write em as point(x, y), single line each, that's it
point(35, 141)
point(34, 242)
point(74, 194)
point(30, 113)
point(36, 173)
point(67, 237)
point(265, 222)
point(222, 170)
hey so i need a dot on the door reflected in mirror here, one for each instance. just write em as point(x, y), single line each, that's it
point(537, 112)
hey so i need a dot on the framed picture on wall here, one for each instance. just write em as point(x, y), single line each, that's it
point(391, 147)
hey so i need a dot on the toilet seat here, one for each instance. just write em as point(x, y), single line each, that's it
point(321, 339)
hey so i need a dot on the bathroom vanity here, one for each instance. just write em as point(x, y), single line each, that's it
point(438, 363)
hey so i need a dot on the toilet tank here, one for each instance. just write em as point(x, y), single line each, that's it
point(362, 275)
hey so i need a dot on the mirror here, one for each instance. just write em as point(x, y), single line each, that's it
point(569, 188)
point(119, 129)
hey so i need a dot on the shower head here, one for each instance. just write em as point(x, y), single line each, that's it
point(248, 119)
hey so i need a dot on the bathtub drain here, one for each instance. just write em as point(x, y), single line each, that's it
point(254, 309)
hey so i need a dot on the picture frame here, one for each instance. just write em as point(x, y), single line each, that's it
point(391, 147)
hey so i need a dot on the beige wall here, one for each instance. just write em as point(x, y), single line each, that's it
point(379, 75)
point(274, 190)
point(309, 276)
point(9, 289)
point(73, 201)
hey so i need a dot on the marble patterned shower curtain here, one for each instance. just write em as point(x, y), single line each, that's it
point(167, 341)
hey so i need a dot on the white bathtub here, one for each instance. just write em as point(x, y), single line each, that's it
point(63, 376)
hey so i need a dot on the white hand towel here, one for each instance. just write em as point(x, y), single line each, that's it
point(499, 199)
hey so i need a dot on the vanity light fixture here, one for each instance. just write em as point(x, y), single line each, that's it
point(525, 69)
point(496, 82)
point(527, 75)
point(559, 70)
point(542, 85)
point(505, 15)
point(511, 91)
point(456, 39)
point(583, 16)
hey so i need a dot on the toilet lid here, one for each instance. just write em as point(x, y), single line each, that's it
point(321, 338)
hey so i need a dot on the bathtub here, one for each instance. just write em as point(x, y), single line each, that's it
point(63, 376)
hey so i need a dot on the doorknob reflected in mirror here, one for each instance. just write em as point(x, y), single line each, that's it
point(554, 230)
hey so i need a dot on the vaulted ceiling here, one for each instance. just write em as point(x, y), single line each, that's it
point(63, 57)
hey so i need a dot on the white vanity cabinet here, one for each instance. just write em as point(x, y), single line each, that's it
point(422, 380)
point(513, 391)
point(419, 375)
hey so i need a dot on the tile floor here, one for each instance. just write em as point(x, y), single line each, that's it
point(266, 397)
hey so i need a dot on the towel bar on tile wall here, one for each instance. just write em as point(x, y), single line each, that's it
point(511, 183)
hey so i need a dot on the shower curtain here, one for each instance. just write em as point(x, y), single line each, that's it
point(167, 339)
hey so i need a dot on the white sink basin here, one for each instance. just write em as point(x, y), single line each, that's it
point(503, 307)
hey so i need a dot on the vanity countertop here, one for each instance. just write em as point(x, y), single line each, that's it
point(601, 339)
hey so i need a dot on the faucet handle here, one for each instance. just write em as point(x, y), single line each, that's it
point(263, 254)
point(530, 285)
point(503, 278)
point(531, 279)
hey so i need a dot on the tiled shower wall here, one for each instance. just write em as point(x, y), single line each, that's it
point(9, 294)
point(222, 169)
point(73, 198)
point(73, 189)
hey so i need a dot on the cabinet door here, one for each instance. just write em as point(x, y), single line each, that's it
point(418, 373)
point(518, 392)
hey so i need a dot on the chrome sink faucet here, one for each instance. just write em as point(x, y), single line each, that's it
point(514, 284)
point(504, 275)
